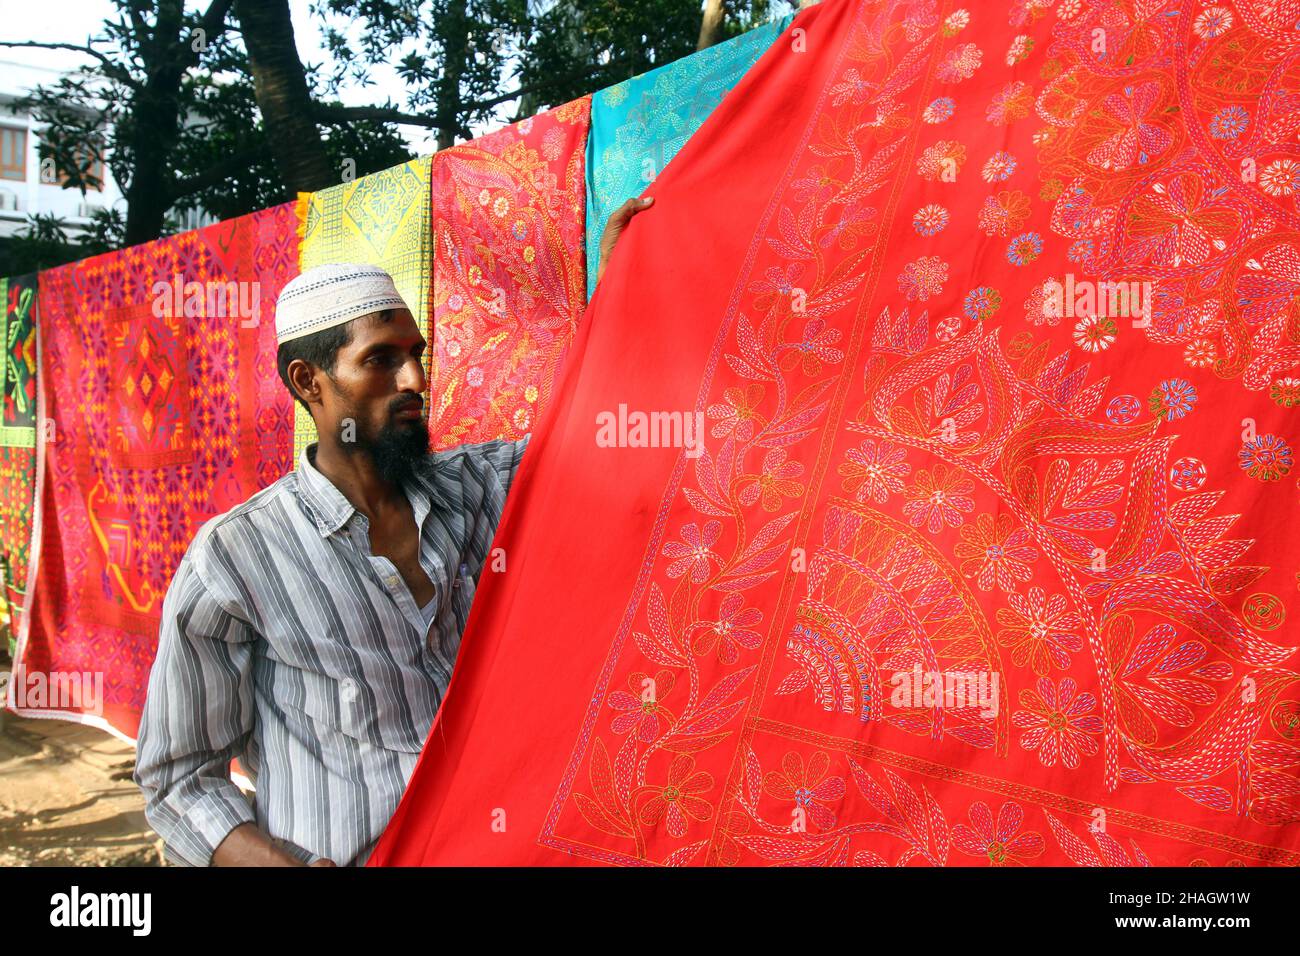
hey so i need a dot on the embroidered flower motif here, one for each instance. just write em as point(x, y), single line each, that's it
point(643, 708)
point(729, 632)
point(474, 376)
point(500, 207)
point(999, 167)
point(939, 110)
point(852, 87)
point(960, 64)
point(817, 184)
point(854, 222)
point(939, 496)
point(774, 482)
point(1187, 474)
point(1095, 333)
point(956, 22)
point(993, 550)
point(1021, 47)
point(1200, 353)
point(942, 161)
point(981, 302)
point(1004, 213)
point(1122, 409)
point(1136, 140)
point(874, 470)
point(1212, 22)
point(813, 349)
point(809, 788)
point(1002, 843)
point(1045, 303)
point(1229, 123)
point(1058, 722)
point(737, 412)
point(1286, 392)
point(1040, 631)
point(1011, 103)
point(678, 800)
point(1080, 250)
point(1279, 177)
point(1186, 216)
point(930, 219)
point(948, 328)
point(776, 285)
point(695, 554)
point(923, 278)
point(1172, 399)
point(1267, 458)
point(1024, 248)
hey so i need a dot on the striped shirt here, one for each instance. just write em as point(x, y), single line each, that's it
point(287, 644)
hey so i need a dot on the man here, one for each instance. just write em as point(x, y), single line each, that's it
point(311, 631)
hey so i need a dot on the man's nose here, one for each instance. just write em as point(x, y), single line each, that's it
point(411, 377)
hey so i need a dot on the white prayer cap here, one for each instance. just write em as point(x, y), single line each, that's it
point(329, 295)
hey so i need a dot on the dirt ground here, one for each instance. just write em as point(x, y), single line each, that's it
point(67, 799)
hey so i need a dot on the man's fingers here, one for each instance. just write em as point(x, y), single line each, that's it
point(623, 213)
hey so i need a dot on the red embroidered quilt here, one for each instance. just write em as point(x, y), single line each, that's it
point(509, 273)
point(163, 409)
point(986, 554)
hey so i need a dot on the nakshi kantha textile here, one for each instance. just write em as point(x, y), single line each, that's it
point(17, 443)
point(378, 220)
point(164, 409)
point(639, 125)
point(508, 274)
point(966, 570)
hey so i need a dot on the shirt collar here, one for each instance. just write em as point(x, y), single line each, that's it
point(331, 510)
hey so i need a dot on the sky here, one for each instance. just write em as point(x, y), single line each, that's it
point(73, 21)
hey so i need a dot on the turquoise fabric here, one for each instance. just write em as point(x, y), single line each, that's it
point(639, 125)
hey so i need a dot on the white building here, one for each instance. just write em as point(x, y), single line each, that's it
point(23, 190)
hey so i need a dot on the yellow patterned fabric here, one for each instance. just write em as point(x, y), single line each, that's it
point(381, 220)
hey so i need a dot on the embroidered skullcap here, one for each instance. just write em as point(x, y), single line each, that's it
point(329, 295)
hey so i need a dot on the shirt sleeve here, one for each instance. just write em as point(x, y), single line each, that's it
point(491, 472)
point(198, 715)
point(505, 459)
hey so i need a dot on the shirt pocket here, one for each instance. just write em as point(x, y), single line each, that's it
point(342, 704)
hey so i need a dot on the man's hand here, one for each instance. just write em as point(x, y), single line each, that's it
point(246, 845)
point(615, 225)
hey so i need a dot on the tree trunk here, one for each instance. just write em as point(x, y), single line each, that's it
point(711, 25)
point(155, 119)
point(280, 85)
point(455, 45)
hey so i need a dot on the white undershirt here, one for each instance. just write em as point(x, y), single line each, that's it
point(428, 610)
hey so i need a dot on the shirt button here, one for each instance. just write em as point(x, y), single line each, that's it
point(392, 580)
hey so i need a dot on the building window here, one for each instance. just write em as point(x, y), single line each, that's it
point(13, 153)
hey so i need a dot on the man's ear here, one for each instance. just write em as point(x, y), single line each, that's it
point(303, 379)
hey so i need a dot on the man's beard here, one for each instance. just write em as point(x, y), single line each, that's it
point(400, 446)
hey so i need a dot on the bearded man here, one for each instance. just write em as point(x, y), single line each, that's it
point(311, 631)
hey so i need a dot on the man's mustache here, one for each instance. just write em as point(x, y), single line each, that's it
point(402, 406)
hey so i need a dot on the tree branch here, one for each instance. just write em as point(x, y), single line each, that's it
point(219, 171)
point(337, 112)
point(111, 68)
